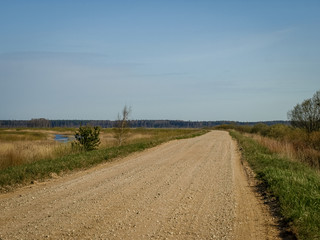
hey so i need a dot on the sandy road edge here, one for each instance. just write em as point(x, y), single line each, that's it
point(275, 227)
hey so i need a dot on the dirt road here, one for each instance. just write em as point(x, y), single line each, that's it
point(187, 189)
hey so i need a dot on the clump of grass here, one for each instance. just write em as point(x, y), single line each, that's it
point(295, 186)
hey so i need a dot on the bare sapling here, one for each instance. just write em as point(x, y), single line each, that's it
point(121, 127)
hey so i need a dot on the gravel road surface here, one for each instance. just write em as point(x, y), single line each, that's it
point(184, 189)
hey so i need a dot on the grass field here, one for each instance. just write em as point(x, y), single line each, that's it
point(294, 143)
point(295, 185)
point(33, 154)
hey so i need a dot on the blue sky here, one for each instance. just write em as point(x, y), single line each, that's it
point(187, 60)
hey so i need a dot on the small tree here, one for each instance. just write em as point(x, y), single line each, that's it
point(307, 114)
point(121, 127)
point(87, 137)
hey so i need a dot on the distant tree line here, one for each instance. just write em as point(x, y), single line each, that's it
point(305, 115)
point(45, 123)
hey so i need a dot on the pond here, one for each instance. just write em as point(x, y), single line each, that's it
point(63, 138)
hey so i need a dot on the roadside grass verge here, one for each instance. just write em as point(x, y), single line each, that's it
point(306, 155)
point(295, 185)
point(43, 169)
point(296, 143)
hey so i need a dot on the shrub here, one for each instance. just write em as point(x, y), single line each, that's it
point(87, 138)
point(261, 128)
point(279, 131)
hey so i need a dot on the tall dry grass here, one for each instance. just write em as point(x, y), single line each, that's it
point(293, 143)
point(290, 150)
point(20, 146)
point(20, 152)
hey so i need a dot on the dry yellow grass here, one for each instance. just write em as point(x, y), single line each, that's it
point(107, 139)
point(27, 145)
point(290, 150)
point(19, 152)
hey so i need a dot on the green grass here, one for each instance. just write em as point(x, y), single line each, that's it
point(295, 185)
point(42, 169)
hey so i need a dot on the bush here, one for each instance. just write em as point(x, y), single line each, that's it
point(87, 138)
point(261, 128)
point(279, 131)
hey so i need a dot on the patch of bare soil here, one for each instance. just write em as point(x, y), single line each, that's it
point(187, 189)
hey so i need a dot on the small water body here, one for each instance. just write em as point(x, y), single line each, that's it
point(63, 138)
